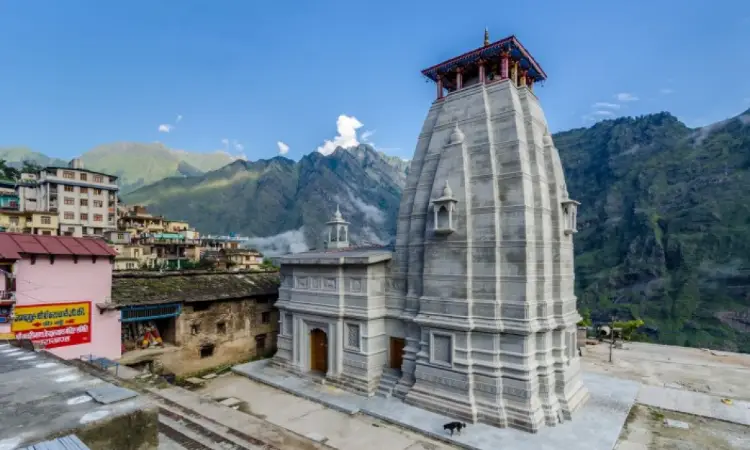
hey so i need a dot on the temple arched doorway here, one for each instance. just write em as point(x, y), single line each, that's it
point(318, 351)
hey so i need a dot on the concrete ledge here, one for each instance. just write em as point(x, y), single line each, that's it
point(695, 403)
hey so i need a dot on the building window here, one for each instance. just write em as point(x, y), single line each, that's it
point(111, 218)
point(14, 221)
point(69, 200)
point(442, 349)
point(287, 324)
point(120, 236)
point(98, 179)
point(69, 215)
point(84, 216)
point(69, 189)
point(98, 203)
point(352, 335)
point(69, 175)
point(84, 177)
point(98, 218)
point(112, 180)
point(97, 192)
point(84, 202)
point(46, 220)
point(195, 328)
point(265, 318)
point(207, 350)
point(47, 233)
point(221, 328)
point(84, 190)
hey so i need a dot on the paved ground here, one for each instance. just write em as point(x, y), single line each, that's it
point(712, 372)
point(647, 429)
point(596, 426)
point(335, 428)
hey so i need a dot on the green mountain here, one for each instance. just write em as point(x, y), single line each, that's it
point(285, 200)
point(137, 164)
point(664, 221)
point(664, 226)
point(15, 156)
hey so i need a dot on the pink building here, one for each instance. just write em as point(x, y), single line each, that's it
point(53, 291)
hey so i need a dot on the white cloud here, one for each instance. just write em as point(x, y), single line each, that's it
point(626, 97)
point(283, 148)
point(666, 91)
point(178, 119)
point(346, 127)
point(165, 128)
point(225, 142)
point(366, 135)
point(603, 112)
point(599, 105)
point(239, 147)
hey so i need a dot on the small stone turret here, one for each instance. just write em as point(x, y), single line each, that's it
point(338, 231)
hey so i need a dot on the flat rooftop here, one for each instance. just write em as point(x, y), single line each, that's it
point(43, 397)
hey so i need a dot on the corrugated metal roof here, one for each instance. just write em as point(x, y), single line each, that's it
point(13, 245)
point(70, 442)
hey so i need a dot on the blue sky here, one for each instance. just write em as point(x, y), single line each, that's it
point(247, 74)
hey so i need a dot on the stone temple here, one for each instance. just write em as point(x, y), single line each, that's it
point(474, 315)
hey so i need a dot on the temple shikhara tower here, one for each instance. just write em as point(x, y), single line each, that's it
point(474, 315)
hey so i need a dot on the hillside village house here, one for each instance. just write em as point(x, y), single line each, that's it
point(157, 241)
point(55, 291)
point(84, 201)
point(189, 321)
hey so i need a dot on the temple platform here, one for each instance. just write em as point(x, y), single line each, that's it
point(596, 426)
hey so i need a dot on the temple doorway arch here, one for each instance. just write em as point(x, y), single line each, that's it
point(318, 351)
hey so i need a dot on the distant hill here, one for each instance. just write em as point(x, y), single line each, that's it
point(137, 164)
point(276, 196)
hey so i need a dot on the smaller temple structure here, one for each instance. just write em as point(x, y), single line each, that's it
point(332, 309)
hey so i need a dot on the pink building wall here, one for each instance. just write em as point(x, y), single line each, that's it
point(65, 281)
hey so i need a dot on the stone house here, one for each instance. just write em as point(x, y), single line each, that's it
point(189, 321)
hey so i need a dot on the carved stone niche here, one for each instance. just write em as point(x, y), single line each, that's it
point(570, 219)
point(443, 209)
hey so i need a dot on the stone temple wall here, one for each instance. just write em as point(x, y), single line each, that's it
point(483, 267)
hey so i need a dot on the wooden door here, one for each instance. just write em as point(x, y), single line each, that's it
point(318, 351)
point(397, 352)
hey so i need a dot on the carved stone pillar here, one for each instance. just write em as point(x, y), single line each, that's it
point(439, 87)
point(459, 78)
point(482, 71)
point(522, 79)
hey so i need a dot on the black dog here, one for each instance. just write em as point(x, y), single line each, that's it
point(458, 426)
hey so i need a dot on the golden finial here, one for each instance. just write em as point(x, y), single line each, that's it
point(486, 37)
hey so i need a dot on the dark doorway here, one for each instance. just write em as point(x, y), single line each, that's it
point(397, 352)
point(318, 351)
point(260, 345)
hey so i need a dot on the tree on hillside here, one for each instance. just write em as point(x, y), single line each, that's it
point(30, 167)
point(7, 172)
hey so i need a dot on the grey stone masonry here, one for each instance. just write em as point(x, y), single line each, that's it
point(474, 315)
point(483, 265)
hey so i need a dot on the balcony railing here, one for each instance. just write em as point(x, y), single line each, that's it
point(7, 295)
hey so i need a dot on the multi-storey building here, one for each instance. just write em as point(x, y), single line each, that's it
point(85, 201)
point(13, 219)
point(136, 220)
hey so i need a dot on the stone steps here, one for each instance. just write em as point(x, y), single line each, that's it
point(388, 382)
point(191, 431)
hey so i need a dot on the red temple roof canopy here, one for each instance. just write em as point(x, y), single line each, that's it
point(14, 245)
point(488, 52)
